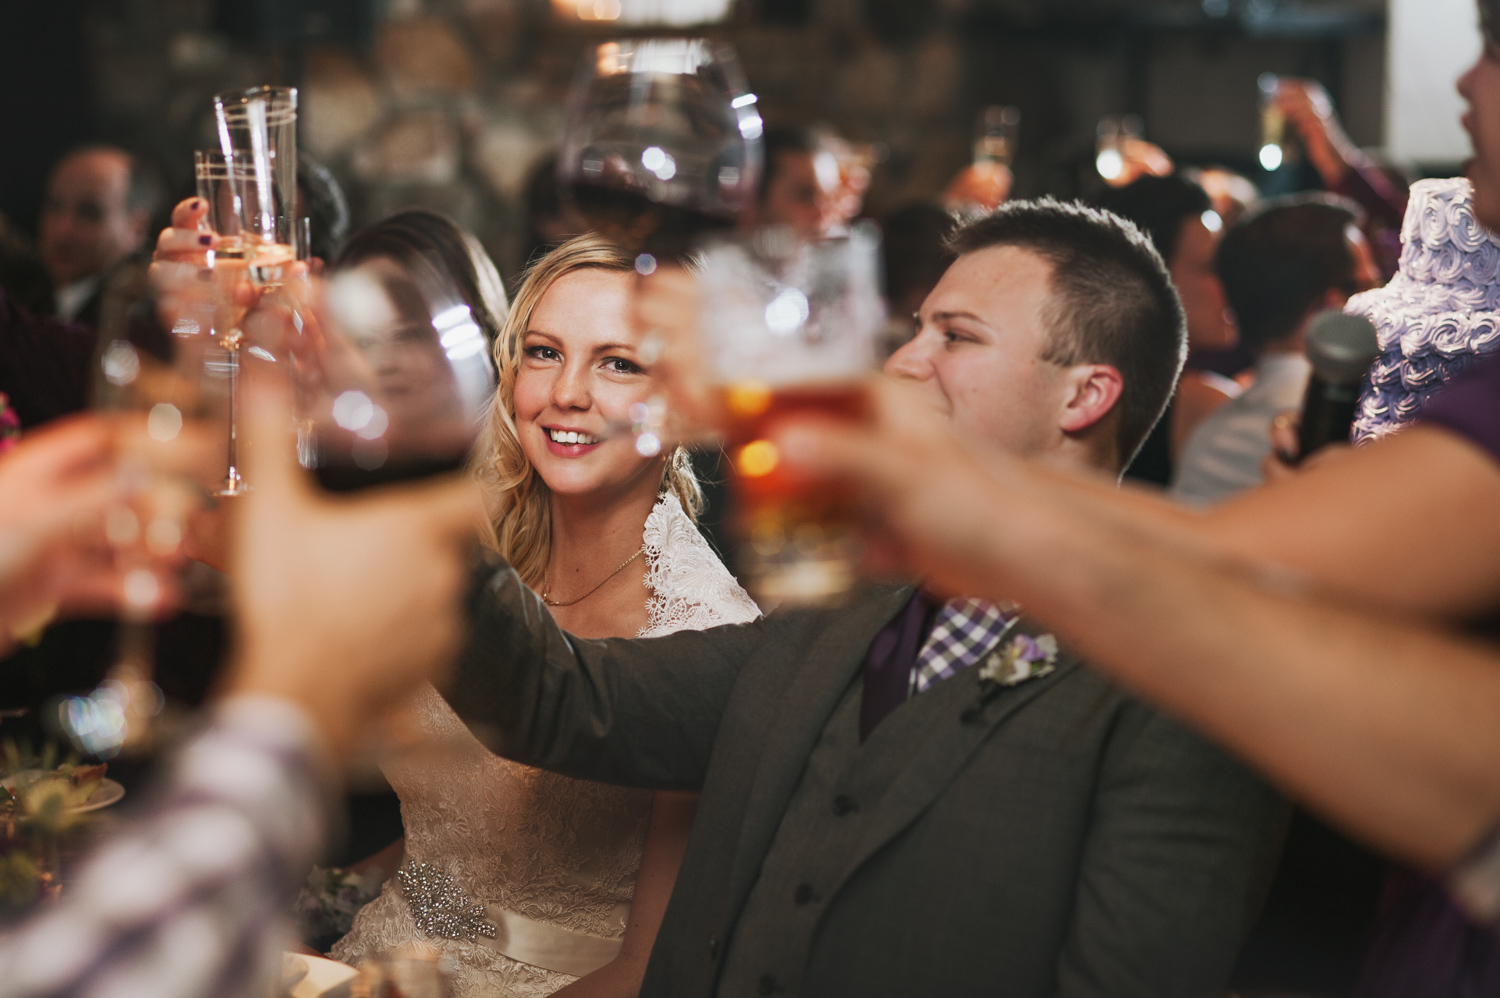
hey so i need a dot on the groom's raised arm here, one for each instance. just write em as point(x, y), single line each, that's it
point(642, 712)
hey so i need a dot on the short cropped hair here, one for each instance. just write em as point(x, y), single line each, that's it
point(1278, 262)
point(1112, 301)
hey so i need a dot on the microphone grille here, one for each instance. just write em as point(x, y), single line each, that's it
point(1341, 346)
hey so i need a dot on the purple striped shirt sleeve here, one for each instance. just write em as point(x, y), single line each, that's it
point(191, 899)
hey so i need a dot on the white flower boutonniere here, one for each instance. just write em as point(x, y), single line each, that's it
point(1021, 658)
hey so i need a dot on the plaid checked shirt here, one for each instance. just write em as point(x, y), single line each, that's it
point(192, 899)
point(964, 631)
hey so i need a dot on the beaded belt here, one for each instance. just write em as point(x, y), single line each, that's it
point(440, 908)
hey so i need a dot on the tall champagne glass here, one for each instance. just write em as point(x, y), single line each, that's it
point(221, 179)
point(260, 125)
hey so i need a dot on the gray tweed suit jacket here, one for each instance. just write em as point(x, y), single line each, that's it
point(1060, 838)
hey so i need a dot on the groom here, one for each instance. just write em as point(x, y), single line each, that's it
point(906, 794)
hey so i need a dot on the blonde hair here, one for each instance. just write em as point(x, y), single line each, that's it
point(520, 502)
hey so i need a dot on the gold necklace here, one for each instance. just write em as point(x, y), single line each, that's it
point(552, 602)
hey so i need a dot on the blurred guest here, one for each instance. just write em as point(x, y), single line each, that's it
point(1185, 229)
point(46, 364)
point(320, 199)
point(22, 276)
point(1345, 169)
point(798, 186)
point(96, 215)
point(1232, 194)
point(1280, 267)
point(549, 221)
point(914, 254)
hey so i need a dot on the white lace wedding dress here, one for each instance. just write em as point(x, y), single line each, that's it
point(548, 857)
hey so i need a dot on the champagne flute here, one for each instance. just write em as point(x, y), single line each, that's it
point(221, 179)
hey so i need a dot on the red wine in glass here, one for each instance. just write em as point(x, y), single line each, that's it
point(661, 144)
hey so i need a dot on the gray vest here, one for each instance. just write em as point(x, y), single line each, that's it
point(838, 795)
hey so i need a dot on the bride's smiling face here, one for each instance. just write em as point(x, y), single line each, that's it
point(579, 374)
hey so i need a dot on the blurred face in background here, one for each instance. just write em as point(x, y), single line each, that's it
point(1480, 86)
point(1210, 325)
point(580, 373)
point(87, 225)
point(800, 194)
point(388, 321)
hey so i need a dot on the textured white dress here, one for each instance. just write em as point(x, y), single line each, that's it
point(550, 849)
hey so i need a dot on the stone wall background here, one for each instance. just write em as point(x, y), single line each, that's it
point(450, 104)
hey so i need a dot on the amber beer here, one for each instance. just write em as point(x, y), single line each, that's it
point(798, 538)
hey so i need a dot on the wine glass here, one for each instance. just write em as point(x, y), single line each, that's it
point(661, 143)
point(393, 375)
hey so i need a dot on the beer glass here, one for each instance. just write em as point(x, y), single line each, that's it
point(790, 326)
point(995, 133)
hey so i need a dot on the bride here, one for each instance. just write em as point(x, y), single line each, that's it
point(569, 878)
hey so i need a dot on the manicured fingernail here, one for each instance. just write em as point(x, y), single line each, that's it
point(206, 240)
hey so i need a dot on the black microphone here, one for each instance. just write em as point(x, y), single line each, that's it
point(1341, 348)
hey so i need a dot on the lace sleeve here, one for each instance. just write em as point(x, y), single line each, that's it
point(690, 587)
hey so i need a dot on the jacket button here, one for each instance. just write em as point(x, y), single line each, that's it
point(713, 947)
point(804, 894)
point(844, 804)
point(767, 985)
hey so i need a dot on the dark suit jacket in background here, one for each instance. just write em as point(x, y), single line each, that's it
point(1067, 840)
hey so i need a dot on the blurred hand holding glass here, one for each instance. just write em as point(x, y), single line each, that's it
point(790, 326)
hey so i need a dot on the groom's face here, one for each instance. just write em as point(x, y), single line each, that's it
point(978, 350)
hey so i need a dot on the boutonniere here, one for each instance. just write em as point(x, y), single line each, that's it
point(1017, 660)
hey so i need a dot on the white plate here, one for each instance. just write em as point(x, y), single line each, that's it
point(106, 793)
point(325, 978)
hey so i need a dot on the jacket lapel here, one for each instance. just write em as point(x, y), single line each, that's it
point(945, 739)
point(824, 671)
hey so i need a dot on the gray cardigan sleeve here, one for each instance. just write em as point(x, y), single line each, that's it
point(640, 712)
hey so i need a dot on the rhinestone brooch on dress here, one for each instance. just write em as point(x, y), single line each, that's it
point(439, 907)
